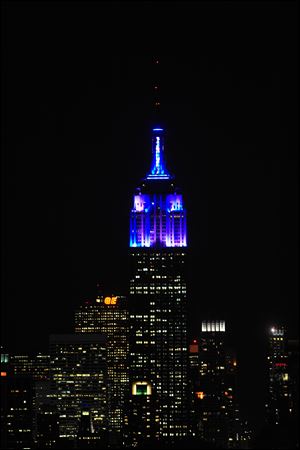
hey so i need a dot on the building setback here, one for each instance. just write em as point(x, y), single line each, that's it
point(215, 413)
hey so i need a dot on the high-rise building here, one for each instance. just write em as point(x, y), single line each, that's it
point(293, 366)
point(279, 404)
point(194, 383)
point(158, 297)
point(281, 428)
point(79, 375)
point(36, 366)
point(16, 408)
point(4, 389)
point(215, 413)
point(109, 316)
point(141, 416)
point(44, 415)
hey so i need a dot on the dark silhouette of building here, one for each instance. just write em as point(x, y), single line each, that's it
point(44, 414)
point(215, 414)
point(293, 371)
point(281, 430)
point(16, 407)
point(279, 393)
point(141, 416)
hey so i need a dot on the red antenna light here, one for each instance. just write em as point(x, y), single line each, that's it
point(156, 89)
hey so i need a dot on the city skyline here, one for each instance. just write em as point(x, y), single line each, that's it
point(72, 197)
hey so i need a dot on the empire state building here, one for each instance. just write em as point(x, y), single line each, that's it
point(158, 305)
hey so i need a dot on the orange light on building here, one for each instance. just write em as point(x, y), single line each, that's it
point(110, 300)
point(3, 374)
point(234, 363)
point(194, 348)
point(200, 395)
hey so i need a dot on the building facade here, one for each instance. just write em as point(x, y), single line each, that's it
point(16, 407)
point(279, 404)
point(215, 412)
point(79, 382)
point(158, 298)
point(109, 316)
point(293, 365)
point(36, 368)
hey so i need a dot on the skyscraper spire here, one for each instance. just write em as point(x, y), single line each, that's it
point(158, 302)
point(158, 166)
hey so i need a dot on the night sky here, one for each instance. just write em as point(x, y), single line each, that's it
point(77, 84)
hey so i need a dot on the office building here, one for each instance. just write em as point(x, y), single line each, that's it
point(79, 381)
point(293, 371)
point(158, 297)
point(109, 316)
point(279, 405)
point(141, 425)
point(214, 408)
point(16, 408)
point(36, 368)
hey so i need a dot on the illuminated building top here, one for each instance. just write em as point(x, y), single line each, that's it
point(158, 217)
point(158, 167)
point(213, 326)
point(277, 331)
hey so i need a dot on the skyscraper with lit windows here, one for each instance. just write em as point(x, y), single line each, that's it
point(36, 368)
point(279, 393)
point(215, 413)
point(78, 373)
point(158, 298)
point(109, 316)
point(16, 407)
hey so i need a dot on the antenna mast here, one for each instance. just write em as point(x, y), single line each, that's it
point(156, 90)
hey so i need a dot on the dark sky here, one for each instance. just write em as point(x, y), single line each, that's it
point(76, 118)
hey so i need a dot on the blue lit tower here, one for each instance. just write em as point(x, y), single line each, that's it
point(158, 322)
point(158, 218)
